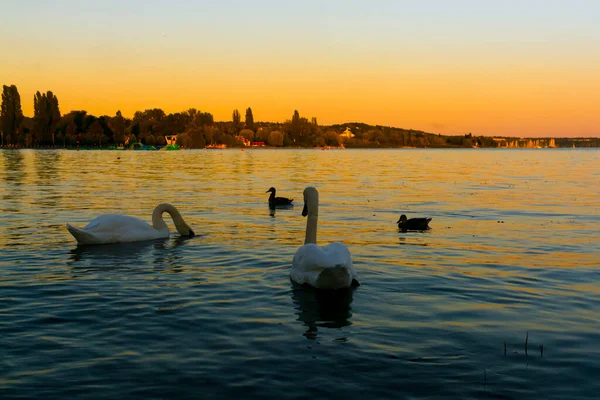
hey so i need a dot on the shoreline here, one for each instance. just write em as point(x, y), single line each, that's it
point(294, 148)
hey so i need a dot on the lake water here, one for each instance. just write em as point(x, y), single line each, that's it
point(513, 253)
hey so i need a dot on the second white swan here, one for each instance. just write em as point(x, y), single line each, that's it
point(329, 267)
point(117, 228)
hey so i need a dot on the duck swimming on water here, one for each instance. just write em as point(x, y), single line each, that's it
point(277, 201)
point(413, 224)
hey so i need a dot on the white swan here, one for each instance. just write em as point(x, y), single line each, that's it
point(117, 228)
point(329, 267)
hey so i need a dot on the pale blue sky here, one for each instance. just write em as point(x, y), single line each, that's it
point(309, 23)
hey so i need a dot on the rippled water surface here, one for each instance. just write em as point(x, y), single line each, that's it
point(513, 253)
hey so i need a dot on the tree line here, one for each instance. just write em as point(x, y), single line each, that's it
point(197, 129)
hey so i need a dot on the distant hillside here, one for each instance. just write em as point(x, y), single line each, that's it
point(366, 135)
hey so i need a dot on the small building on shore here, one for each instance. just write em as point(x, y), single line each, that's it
point(347, 134)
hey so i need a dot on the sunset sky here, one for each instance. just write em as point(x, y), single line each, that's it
point(511, 68)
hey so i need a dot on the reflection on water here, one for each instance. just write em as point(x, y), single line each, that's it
point(13, 175)
point(216, 314)
point(273, 209)
point(13, 166)
point(46, 166)
point(322, 308)
point(123, 253)
point(161, 252)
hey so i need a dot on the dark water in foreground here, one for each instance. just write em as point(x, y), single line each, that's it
point(216, 316)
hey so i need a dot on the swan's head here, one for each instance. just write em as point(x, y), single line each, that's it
point(185, 230)
point(402, 219)
point(311, 202)
point(272, 189)
point(181, 226)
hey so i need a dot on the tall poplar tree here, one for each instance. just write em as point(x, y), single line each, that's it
point(236, 121)
point(46, 116)
point(249, 119)
point(11, 114)
point(295, 126)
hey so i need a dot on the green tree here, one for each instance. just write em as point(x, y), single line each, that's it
point(175, 123)
point(96, 132)
point(161, 141)
point(203, 118)
point(88, 121)
point(332, 138)
point(46, 117)
point(262, 135)
point(69, 134)
point(150, 140)
point(192, 139)
point(295, 128)
point(149, 114)
point(67, 128)
point(248, 134)
point(236, 121)
point(249, 119)
point(191, 116)
point(275, 138)
point(211, 135)
point(79, 118)
point(300, 130)
point(25, 129)
point(296, 118)
point(134, 129)
point(11, 114)
point(225, 139)
point(118, 124)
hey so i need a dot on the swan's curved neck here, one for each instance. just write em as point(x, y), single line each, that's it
point(311, 229)
point(311, 225)
point(159, 223)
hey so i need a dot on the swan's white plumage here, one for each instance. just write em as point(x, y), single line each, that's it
point(117, 228)
point(328, 267)
point(323, 267)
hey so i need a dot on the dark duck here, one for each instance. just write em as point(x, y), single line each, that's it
point(278, 201)
point(413, 224)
